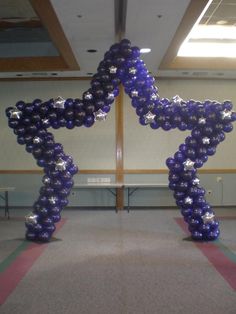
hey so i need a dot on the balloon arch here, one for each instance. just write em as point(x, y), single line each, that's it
point(208, 122)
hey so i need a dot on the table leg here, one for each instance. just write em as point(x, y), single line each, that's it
point(130, 192)
point(6, 205)
point(128, 200)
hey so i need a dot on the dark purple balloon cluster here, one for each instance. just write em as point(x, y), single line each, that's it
point(30, 122)
point(208, 121)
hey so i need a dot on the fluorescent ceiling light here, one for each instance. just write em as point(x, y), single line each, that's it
point(145, 50)
point(210, 41)
point(210, 50)
point(213, 32)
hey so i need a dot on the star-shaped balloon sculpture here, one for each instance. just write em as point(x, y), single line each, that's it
point(188, 200)
point(207, 122)
point(37, 140)
point(132, 70)
point(176, 99)
point(226, 114)
point(134, 93)
point(188, 164)
point(202, 120)
point(52, 200)
point(15, 114)
point(208, 217)
point(59, 102)
point(206, 140)
point(60, 165)
point(195, 181)
point(113, 69)
point(149, 117)
point(31, 219)
point(100, 115)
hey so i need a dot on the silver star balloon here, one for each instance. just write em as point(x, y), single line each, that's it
point(206, 140)
point(46, 180)
point(59, 102)
point(60, 165)
point(188, 164)
point(31, 218)
point(110, 96)
point(188, 200)
point(177, 99)
point(100, 115)
point(132, 70)
point(52, 200)
point(134, 93)
point(208, 217)
point(149, 117)
point(195, 181)
point(154, 97)
point(226, 114)
point(15, 114)
point(45, 121)
point(113, 69)
point(37, 140)
point(202, 121)
point(88, 96)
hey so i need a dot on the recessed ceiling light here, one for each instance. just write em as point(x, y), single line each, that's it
point(91, 50)
point(145, 50)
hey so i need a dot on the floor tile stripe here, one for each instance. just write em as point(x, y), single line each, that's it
point(10, 258)
point(18, 268)
point(231, 255)
point(216, 256)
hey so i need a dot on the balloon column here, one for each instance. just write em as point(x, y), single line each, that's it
point(208, 122)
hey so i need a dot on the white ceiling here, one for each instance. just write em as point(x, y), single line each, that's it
point(95, 29)
point(90, 24)
point(145, 29)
